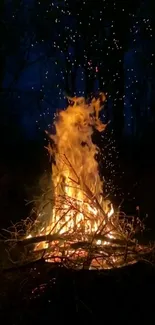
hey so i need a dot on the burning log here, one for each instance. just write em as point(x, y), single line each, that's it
point(39, 239)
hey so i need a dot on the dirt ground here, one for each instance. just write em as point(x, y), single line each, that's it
point(43, 294)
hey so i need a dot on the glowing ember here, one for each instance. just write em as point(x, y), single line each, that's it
point(82, 221)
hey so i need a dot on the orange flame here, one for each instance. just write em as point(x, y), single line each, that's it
point(75, 173)
point(79, 204)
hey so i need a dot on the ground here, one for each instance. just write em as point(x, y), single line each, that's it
point(42, 294)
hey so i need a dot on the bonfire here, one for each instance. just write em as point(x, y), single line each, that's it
point(77, 227)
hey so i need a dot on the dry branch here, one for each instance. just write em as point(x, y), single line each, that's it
point(38, 239)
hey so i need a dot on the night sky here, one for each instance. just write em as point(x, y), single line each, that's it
point(51, 49)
